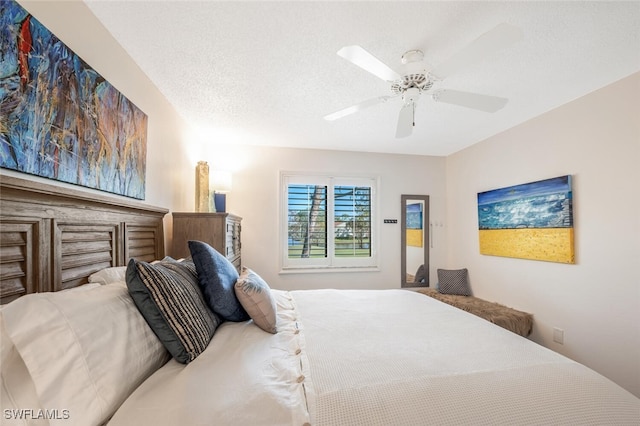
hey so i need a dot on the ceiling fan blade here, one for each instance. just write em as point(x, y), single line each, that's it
point(365, 60)
point(357, 107)
point(470, 100)
point(502, 36)
point(405, 120)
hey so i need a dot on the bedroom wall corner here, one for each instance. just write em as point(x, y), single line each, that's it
point(596, 302)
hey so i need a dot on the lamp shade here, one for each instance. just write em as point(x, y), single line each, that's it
point(220, 181)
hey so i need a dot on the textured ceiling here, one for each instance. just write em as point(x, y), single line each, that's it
point(266, 72)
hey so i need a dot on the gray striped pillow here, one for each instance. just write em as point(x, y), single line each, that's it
point(169, 298)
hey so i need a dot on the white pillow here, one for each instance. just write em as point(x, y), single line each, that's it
point(109, 275)
point(17, 390)
point(86, 351)
point(113, 274)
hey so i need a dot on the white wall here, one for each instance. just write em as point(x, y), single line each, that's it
point(74, 24)
point(596, 301)
point(255, 198)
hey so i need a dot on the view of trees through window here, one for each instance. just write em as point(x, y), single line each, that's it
point(308, 219)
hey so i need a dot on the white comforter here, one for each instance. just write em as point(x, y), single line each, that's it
point(389, 357)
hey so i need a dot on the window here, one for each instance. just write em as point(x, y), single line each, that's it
point(328, 222)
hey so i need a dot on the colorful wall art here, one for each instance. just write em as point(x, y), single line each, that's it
point(59, 118)
point(529, 221)
point(415, 234)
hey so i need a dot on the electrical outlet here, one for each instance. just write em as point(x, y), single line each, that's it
point(558, 335)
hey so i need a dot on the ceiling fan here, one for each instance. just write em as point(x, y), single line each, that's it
point(418, 79)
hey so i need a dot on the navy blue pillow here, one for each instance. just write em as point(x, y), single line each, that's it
point(217, 278)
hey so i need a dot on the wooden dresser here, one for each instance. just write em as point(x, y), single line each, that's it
point(220, 230)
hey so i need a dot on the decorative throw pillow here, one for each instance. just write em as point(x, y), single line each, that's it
point(454, 281)
point(255, 296)
point(168, 296)
point(217, 277)
point(421, 275)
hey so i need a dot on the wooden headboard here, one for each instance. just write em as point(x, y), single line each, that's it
point(53, 238)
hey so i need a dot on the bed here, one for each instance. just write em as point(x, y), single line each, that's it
point(86, 354)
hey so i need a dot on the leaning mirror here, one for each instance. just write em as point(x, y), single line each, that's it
point(414, 264)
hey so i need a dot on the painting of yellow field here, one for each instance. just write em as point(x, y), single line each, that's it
point(529, 221)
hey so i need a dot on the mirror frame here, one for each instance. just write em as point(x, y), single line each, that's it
point(403, 239)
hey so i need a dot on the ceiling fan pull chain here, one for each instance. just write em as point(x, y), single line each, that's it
point(414, 113)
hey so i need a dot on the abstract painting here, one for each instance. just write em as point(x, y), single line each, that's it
point(59, 118)
point(529, 221)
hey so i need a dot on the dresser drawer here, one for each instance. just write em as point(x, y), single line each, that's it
point(232, 237)
point(237, 263)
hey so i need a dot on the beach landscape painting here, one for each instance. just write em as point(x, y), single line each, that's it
point(415, 236)
point(59, 118)
point(528, 221)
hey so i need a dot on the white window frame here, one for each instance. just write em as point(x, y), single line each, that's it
point(330, 263)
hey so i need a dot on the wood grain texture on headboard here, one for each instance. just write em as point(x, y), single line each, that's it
point(53, 238)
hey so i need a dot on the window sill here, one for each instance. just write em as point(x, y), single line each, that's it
point(327, 269)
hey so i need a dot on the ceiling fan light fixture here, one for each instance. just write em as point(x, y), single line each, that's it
point(411, 95)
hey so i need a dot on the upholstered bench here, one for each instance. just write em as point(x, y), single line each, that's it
point(516, 321)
